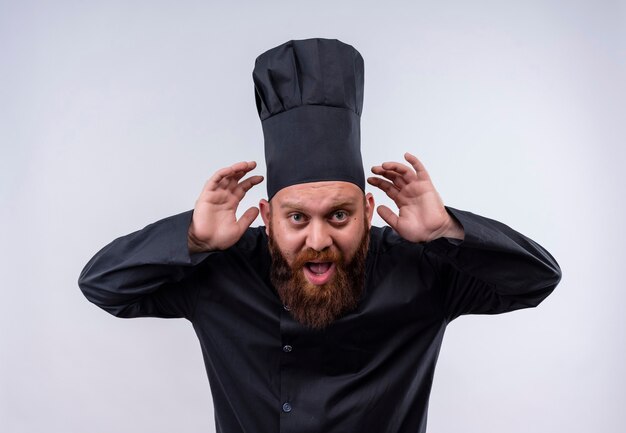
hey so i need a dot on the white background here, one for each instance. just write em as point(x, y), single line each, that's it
point(114, 113)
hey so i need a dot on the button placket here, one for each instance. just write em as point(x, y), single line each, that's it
point(286, 366)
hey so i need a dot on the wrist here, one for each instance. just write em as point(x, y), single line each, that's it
point(193, 245)
point(453, 229)
point(450, 229)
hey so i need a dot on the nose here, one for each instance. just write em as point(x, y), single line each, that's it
point(318, 237)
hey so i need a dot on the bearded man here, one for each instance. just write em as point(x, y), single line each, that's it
point(319, 322)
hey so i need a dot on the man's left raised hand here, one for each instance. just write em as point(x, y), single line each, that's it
point(422, 216)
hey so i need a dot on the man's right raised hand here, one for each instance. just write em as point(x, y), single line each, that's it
point(214, 225)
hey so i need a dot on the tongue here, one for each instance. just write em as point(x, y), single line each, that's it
point(319, 268)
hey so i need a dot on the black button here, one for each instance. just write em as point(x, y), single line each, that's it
point(287, 348)
point(286, 407)
point(286, 307)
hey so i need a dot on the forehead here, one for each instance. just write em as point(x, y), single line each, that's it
point(318, 195)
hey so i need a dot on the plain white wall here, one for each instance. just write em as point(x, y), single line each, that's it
point(113, 114)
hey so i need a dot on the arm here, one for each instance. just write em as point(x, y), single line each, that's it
point(493, 270)
point(484, 265)
point(145, 273)
point(150, 272)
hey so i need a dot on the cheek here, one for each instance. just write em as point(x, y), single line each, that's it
point(289, 244)
point(348, 242)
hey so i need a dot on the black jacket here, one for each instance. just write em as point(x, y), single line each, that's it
point(371, 370)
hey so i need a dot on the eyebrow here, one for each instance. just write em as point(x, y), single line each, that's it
point(335, 205)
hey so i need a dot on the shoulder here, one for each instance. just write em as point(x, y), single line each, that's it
point(250, 252)
point(252, 239)
point(253, 246)
point(388, 249)
point(385, 240)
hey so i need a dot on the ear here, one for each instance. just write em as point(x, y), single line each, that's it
point(369, 208)
point(266, 213)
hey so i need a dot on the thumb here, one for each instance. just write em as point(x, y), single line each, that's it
point(247, 218)
point(388, 215)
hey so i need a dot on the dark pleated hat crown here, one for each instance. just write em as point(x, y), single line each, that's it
point(309, 96)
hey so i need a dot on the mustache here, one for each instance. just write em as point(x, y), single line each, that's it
point(318, 306)
point(311, 255)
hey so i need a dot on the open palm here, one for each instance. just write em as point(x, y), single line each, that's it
point(421, 216)
point(214, 225)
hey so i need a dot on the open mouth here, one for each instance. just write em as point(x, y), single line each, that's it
point(319, 273)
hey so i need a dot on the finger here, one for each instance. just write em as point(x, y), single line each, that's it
point(388, 188)
point(247, 218)
point(245, 166)
point(214, 180)
point(250, 182)
point(393, 176)
point(388, 215)
point(397, 167)
point(417, 165)
point(408, 175)
point(245, 185)
point(239, 172)
point(237, 169)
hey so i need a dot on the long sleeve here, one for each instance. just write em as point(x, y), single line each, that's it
point(146, 273)
point(493, 270)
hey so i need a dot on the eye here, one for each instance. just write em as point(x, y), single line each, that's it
point(340, 215)
point(296, 217)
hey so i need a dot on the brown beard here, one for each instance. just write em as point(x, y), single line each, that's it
point(318, 306)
